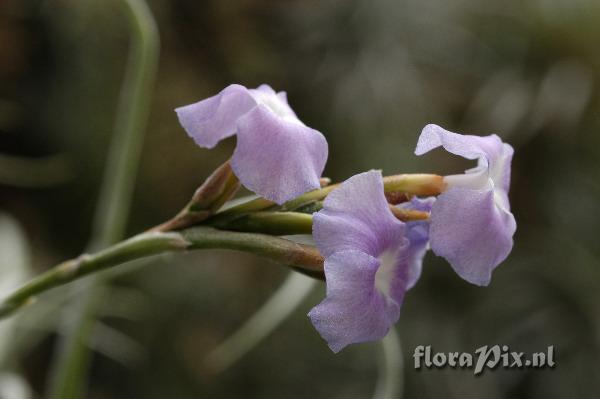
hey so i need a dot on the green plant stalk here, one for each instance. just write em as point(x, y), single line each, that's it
point(390, 380)
point(275, 223)
point(239, 234)
point(412, 184)
point(70, 367)
point(304, 257)
point(132, 117)
point(289, 223)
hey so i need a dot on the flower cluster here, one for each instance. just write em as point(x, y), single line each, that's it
point(371, 257)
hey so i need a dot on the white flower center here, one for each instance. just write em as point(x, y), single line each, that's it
point(275, 105)
point(483, 177)
point(385, 274)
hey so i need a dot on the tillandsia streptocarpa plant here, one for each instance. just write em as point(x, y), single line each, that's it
point(370, 232)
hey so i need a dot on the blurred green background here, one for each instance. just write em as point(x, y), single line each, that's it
point(369, 74)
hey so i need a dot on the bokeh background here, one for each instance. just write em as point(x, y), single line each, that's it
point(369, 74)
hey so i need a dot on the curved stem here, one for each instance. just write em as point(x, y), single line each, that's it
point(132, 117)
point(390, 383)
point(304, 257)
point(282, 303)
point(73, 357)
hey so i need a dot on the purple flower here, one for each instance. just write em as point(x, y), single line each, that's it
point(277, 156)
point(417, 233)
point(471, 223)
point(371, 260)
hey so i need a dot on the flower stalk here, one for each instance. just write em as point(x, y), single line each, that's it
point(274, 223)
point(402, 185)
point(151, 243)
point(250, 227)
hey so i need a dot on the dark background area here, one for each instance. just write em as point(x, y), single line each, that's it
point(369, 75)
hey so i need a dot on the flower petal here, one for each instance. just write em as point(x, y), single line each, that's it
point(277, 158)
point(467, 146)
point(471, 232)
point(494, 157)
point(356, 216)
point(501, 171)
point(417, 233)
point(213, 119)
point(354, 311)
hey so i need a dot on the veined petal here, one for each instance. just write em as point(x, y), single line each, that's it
point(354, 311)
point(277, 158)
point(213, 119)
point(471, 232)
point(356, 216)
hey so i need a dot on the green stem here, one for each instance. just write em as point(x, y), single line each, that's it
point(280, 306)
point(70, 367)
point(390, 381)
point(284, 251)
point(275, 223)
point(132, 118)
point(277, 249)
point(412, 184)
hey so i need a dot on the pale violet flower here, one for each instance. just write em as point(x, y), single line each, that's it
point(276, 156)
point(371, 260)
point(471, 223)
